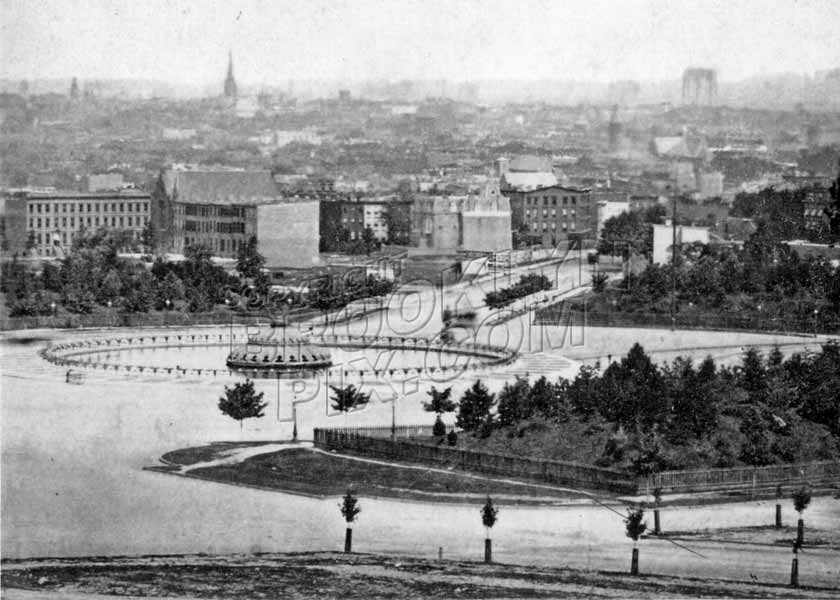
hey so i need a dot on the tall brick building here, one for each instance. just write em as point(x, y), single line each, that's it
point(222, 209)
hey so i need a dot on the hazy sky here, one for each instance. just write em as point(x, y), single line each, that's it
point(274, 41)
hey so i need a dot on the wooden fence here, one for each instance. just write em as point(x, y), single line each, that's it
point(396, 444)
point(359, 441)
point(823, 473)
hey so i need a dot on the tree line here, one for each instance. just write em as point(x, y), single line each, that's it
point(650, 418)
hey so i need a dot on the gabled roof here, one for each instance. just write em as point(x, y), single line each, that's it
point(221, 187)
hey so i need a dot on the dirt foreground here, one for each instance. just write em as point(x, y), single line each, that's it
point(335, 575)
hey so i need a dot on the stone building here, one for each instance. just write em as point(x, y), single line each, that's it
point(475, 223)
point(222, 209)
point(553, 214)
point(47, 221)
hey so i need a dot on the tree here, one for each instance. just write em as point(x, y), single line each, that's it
point(489, 515)
point(440, 401)
point(149, 237)
point(350, 509)
point(348, 398)
point(514, 402)
point(249, 261)
point(801, 500)
point(368, 239)
point(474, 408)
point(242, 402)
point(634, 527)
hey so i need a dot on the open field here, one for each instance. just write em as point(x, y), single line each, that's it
point(299, 470)
point(332, 575)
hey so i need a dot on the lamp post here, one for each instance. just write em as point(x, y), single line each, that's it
point(52, 306)
point(816, 314)
point(110, 313)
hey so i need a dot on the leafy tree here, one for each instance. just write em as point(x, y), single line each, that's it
point(350, 509)
point(474, 408)
point(440, 401)
point(345, 399)
point(514, 402)
point(634, 528)
point(249, 261)
point(801, 500)
point(149, 237)
point(111, 286)
point(170, 288)
point(368, 240)
point(489, 516)
point(242, 402)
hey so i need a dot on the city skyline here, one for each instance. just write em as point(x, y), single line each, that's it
point(187, 43)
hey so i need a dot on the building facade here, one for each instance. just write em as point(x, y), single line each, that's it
point(554, 214)
point(47, 222)
point(222, 209)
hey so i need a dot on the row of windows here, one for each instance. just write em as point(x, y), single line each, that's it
point(214, 227)
point(571, 226)
point(217, 244)
point(534, 201)
point(536, 213)
point(89, 207)
point(213, 210)
point(46, 223)
point(48, 239)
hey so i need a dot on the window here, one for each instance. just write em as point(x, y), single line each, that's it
point(553, 212)
point(31, 208)
point(39, 222)
point(572, 226)
point(129, 221)
point(565, 200)
point(88, 208)
point(122, 207)
point(533, 226)
point(39, 209)
point(554, 201)
point(574, 200)
point(545, 200)
point(64, 221)
point(72, 221)
point(72, 208)
point(545, 226)
point(63, 208)
point(47, 222)
point(553, 226)
point(30, 223)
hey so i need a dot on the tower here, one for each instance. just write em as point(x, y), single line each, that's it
point(74, 89)
point(230, 82)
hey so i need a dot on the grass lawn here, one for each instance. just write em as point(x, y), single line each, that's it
point(306, 471)
point(332, 575)
point(197, 454)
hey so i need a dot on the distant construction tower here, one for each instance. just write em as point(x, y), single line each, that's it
point(699, 86)
point(230, 82)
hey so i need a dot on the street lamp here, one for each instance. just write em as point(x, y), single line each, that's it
point(52, 306)
point(110, 313)
point(816, 314)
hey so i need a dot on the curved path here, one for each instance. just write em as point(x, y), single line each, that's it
point(72, 482)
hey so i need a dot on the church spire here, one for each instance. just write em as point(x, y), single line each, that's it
point(230, 82)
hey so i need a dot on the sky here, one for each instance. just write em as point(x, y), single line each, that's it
point(187, 42)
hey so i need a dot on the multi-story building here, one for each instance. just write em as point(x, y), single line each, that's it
point(553, 214)
point(346, 218)
point(473, 223)
point(222, 209)
point(47, 221)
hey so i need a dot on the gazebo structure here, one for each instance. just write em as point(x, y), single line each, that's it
point(273, 356)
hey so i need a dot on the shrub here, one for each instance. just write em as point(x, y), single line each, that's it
point(439, 429)
point(452, 438)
